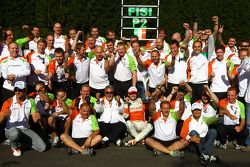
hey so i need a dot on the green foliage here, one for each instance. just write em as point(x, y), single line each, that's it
point(82, 14)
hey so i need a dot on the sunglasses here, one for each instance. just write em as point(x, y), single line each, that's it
point(18, 90)
point(108, 92)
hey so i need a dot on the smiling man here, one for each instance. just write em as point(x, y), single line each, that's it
point(16, 111)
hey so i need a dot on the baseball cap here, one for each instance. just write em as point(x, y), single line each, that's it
point(20, 85)
point(196, 106)
point(132, 89)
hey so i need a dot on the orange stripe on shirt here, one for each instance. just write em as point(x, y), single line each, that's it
point(52, 66)
point(6, 105)
point(210, 67)
point(156, 116)
point(185, 128)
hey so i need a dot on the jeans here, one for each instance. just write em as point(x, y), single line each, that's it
point(206, 144)
point(27, 137)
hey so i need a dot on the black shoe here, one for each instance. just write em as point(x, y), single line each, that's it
point(104, 144)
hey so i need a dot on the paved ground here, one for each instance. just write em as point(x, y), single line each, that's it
point(116, 157)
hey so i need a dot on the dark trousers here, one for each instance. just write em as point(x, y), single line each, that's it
point(93, 92)
point(197, 91)
point(224, 130)
point(121, 88)
point(74, 89)
point(113, 131)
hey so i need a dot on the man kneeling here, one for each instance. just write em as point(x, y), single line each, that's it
point(85, 131)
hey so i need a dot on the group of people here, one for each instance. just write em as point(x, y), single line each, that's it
point(189, 93)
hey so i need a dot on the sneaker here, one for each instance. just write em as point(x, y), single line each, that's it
point(7, 142)
point(214, 158)
point(88, 152)
point(55, 141)
point(217, 143)
point(239, 147)
point(72, 151)
point(177, 154)
point(127, 144)
point(16, 152)
point(204, 159)
point(119, 143)
point(223, 146)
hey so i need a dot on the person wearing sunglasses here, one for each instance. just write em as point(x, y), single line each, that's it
point(111, 122)
point(16, 112)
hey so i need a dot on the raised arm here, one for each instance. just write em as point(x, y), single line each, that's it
point(181, 109)
point(173, 92)
point(195, 27)
point(73, 47)
point(213, 97)
point(220, 31)
point(215, 20)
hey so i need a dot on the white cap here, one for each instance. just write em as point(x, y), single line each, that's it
point(196, 106)
point(132, 89)
point(20, 85)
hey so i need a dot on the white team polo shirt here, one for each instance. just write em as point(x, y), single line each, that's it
point(243, 79)
point(38, 62)
point(17, 66)
point(246, 66)
point(198, 69)
point(220, 82)
point(124, 67)
point(141, 71)
point(60, 41)
point(156, 73)
point(98, 78)
point(83, 129)
point(81, 68)
point(165, 130)
point(179, 71)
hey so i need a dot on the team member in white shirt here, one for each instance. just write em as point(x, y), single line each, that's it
point(13, 69)
point(217, 73)
point(233, 114)
point(165, 122)
point(32, 45)
point(195, 130)
point(197, 70)
point(125, 71)
point(79, 63)
point(85, 131)
point(98, 75)
point(39, 63)
point(142, 72)
point(111, 122)
point(246, 66)
point(50, 46)
point(60, 41)
point(177, 70)
point(240, 76)
point(156, 69)
point(16, 111)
